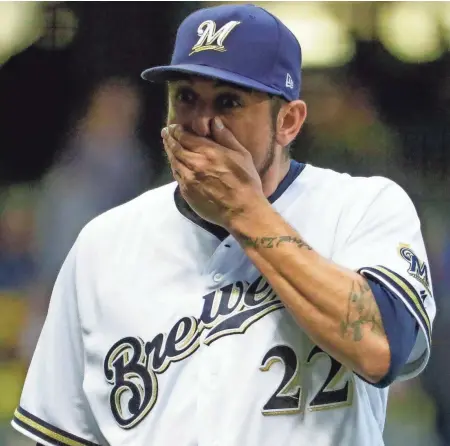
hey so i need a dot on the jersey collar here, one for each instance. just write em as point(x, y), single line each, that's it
point(183, 207)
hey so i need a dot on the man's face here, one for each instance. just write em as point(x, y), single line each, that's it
point(194, 102)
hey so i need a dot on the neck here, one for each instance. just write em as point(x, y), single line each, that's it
point(275, 174)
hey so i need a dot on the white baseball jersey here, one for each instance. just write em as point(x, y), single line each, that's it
point(159, 333)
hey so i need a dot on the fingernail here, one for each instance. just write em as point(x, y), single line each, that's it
point(164, 132)
point(218, 123)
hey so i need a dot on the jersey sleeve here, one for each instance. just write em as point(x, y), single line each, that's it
point(53, 409)
point(380, 237)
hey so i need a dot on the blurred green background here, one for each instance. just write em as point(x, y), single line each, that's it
point(79, 134)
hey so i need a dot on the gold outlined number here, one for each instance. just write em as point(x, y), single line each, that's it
point(287, 398)
point(328, 397)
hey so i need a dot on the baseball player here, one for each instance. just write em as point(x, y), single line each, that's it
point(255, 300)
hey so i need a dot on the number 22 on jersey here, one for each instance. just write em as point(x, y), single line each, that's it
point(290, 396)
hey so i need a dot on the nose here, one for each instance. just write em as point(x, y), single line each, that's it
point(201, 125)
point(200, 121)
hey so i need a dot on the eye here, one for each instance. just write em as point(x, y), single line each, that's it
point(227, 101)
point(186, 96)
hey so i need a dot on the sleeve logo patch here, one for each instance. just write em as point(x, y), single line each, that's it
point(417, 268)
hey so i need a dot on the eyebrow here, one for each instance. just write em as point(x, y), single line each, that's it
point(217, 84)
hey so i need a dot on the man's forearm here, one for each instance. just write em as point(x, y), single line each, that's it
point(334, 305)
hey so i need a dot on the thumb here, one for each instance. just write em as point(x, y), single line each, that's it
point(224, 137)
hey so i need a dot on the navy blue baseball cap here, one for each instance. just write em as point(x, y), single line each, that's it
point(241, 44)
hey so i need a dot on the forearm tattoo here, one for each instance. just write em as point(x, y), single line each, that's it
point(274, 242)
point(361, 310)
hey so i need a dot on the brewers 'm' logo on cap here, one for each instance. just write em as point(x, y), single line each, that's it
point(210, 39)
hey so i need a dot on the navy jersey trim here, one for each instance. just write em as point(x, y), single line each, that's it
point(183, 207)
point(185, 210)
point(402, 288)
point(295, 169)
point(401, 329)
point(47, 432)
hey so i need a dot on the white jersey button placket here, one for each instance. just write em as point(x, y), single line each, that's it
point(207, 398)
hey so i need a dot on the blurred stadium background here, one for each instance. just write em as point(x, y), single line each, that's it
point(79, 133)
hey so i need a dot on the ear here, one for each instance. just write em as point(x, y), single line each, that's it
point(290, 120)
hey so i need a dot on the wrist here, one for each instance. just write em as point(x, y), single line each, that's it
point(250, 219)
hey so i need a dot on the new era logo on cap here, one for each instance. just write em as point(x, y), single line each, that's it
point(289, 81)
point(239, 44)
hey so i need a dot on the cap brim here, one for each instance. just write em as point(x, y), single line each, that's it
point(169, 72)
